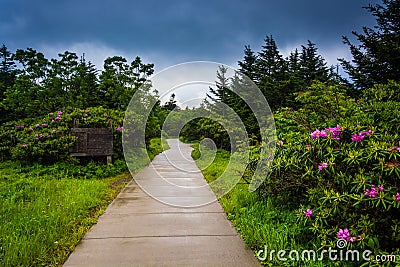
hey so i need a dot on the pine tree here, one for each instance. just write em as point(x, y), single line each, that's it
point(312, 65)
point(377, 58)
point(248, 65)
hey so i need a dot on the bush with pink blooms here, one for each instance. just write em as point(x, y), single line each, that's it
point(48, 139)
point(339, 164)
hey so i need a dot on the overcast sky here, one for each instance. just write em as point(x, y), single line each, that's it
point(171, 32)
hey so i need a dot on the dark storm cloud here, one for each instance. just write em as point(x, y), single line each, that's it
point(209, 30)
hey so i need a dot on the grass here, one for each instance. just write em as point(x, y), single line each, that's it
point(261, 222)
point(46, 210)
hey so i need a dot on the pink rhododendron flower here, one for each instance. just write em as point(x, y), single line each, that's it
point(343, 233)
point(308, 213)
point(371, 192)
point(366, 133)
point(357, 138)
point(350, 239)
point(322, 166)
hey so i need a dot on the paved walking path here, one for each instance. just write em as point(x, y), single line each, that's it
point(141, 230)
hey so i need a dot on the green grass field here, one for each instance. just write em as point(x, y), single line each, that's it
point(46, 210)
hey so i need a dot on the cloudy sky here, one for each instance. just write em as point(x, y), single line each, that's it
point(171, 31)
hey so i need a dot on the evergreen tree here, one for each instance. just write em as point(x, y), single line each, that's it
point(312, 65)
point(171, 104)
point(221, 93)
point(271, 72)
point(377, 58)
point(35, 64)
point(248, 65)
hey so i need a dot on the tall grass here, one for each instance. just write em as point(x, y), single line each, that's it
point(46, 210)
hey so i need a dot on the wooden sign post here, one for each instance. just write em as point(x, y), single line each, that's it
point(93, 142)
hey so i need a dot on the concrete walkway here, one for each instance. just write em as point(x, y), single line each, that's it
point(138, 229)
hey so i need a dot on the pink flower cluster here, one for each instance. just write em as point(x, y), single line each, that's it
point(359, 137)
point(345, 234)
point(120, 129)
point(327, 132)
point(308, 213)
point(373, 192)
point(322, 166)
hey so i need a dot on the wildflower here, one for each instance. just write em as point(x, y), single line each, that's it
point(57, 118)
point(308, 147)
point(395, 148)
point(270, 158)
point(119, 128)
point(36, 138)
point(85, 115)
point(30, 129)
point(51, 113)
point(53, 131)
point(381, 188)
point(322, 166)
point(88, 110)
point(37, 125)
point(53, 121)
point(372, 192)
point(60, 112)
point(308, 213)
point(366, 133)
point(357, 138)
point(105, 115)
point(280, 143)
point(45, 125)
point(24, 145)
point(343, 233)
point(350, 239)
point(62, 136)
point(397, 196)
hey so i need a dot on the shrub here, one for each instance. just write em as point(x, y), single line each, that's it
point(48, 139)
point(338, 160)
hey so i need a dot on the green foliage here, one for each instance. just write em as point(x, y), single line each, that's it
point(48, 139)
point(331, 175)
point(376, 57)
point(46, 210)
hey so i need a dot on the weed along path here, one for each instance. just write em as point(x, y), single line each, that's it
point(170, 225)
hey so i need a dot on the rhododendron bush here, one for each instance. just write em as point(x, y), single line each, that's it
point(339, 163)
point(48, 138)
